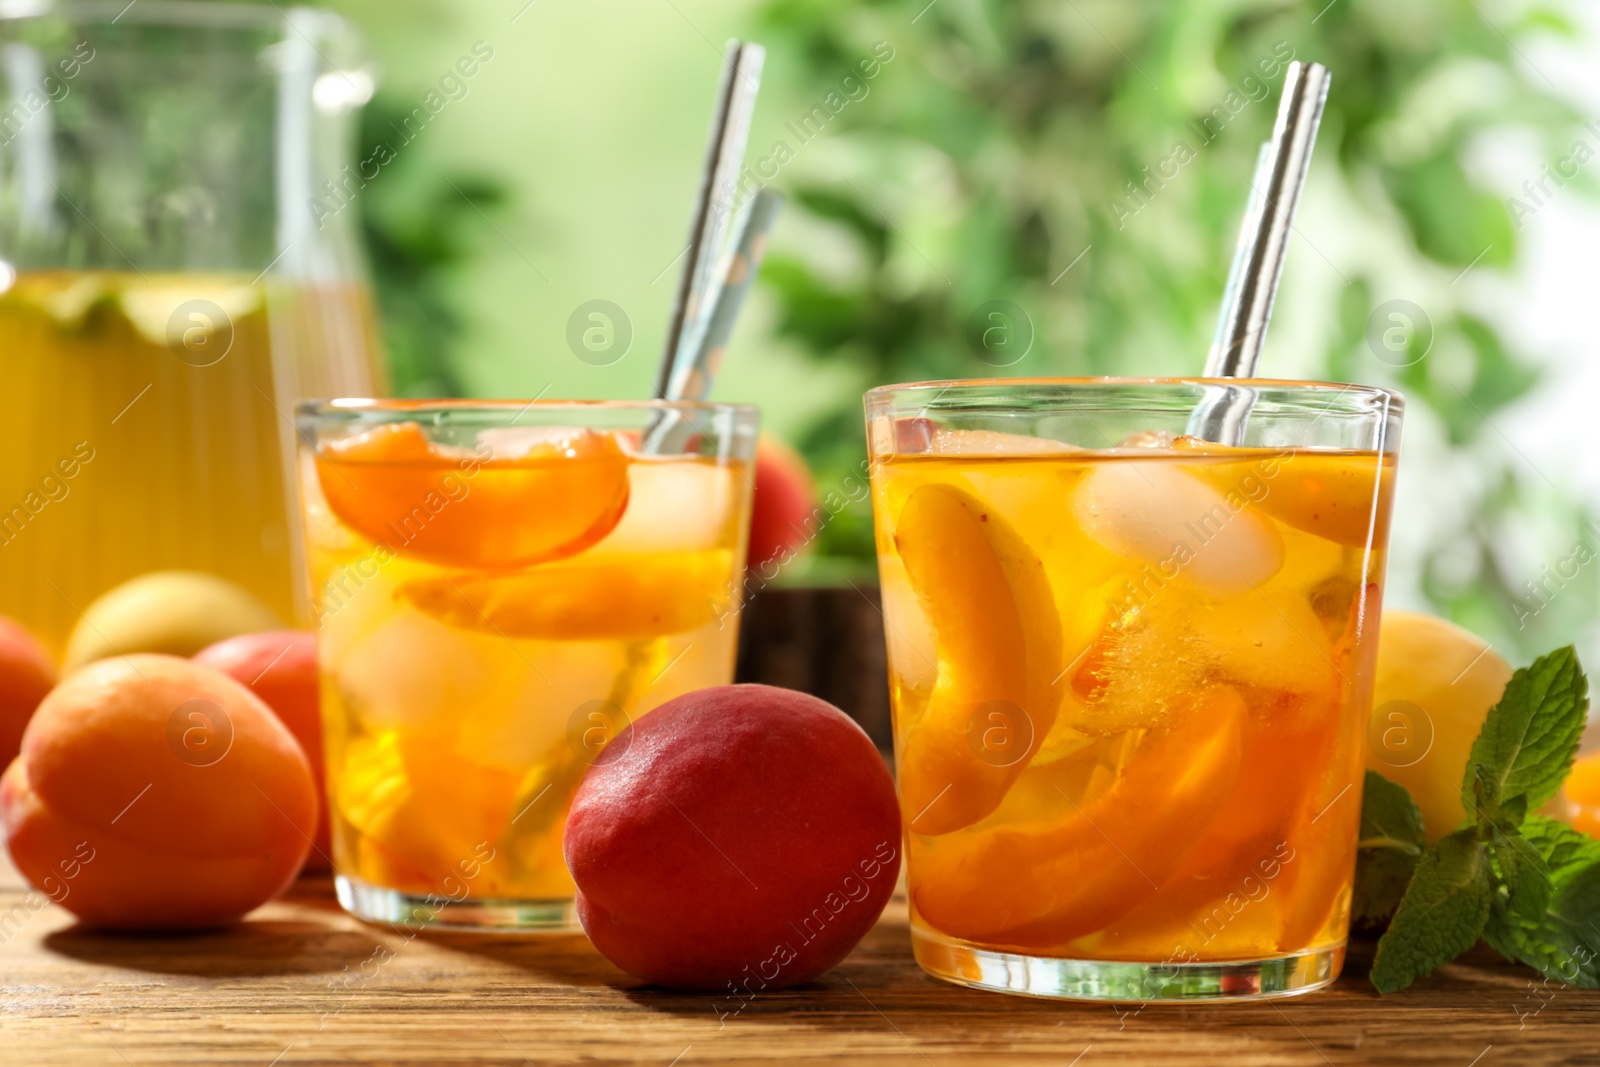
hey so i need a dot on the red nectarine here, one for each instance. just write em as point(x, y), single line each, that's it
point(746, 839)
point(280, 667)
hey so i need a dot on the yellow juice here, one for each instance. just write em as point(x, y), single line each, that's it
point(149, 429)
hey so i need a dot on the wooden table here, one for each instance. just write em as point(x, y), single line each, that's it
point(301, 982)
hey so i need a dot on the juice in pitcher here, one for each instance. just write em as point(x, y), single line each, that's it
point(157, 430)
point(502, 589)
point(1130, 683)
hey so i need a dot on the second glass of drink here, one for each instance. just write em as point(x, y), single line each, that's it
point(501, 589)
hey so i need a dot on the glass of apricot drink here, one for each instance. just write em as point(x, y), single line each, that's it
point(1130, 673)
point(501, 588)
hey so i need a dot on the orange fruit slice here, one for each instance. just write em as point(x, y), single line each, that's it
point(1342, 496)
point(393, 486)
point(1043, 883)
point(600, 598)
point(998, 634)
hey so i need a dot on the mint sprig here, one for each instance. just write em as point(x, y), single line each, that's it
point(1392, 840)
point(1527, 743)
point(1527, 884)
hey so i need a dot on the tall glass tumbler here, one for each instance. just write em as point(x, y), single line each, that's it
point(1130, 674)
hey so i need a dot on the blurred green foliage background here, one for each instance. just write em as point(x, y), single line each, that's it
point(1085, 160)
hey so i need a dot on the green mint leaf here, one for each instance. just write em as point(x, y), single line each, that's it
point(1442, 914)
point(1392, 840)
point(1566, 851)
point(1522, 883)
point(1561, 941)
point(1526, 746)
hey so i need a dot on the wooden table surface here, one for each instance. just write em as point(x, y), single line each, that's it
point(301, 982)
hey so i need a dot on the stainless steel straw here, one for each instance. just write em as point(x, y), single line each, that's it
point(701, 354)
point(730, 130)
point(1258, 257)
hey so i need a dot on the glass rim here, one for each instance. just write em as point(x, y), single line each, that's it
point(200, 14)
point(317, 408)
point(883, 394)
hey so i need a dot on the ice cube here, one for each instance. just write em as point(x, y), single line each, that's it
point(413, 672)
point(674, 505)
point(1272, 640)
point(532, 720)
point(1157, 513)
point(1143, 672)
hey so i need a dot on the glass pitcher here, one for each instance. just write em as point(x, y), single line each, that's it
point(178, 264)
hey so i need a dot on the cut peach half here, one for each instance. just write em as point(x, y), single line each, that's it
point(393, 486)
point(998, 637)
point(1043, 884)
point(607, 597)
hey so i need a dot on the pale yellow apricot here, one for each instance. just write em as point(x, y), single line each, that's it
point(1434, 684)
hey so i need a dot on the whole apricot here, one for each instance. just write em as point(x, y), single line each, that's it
point(174, 612)
point(26, 674)
point(741, 838)
point(182, 799)
point(1432, 689)
point(280, 667)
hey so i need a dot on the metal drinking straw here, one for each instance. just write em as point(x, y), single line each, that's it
point(713, 286)
point(730, 130)
point(1258, 257)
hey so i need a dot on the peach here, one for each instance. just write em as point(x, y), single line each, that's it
point(26, 674)
point(280, 667)
point(746, 838)
point(783, 511)
point(998, 633)
point(184, 798)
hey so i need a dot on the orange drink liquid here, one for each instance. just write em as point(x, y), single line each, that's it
point(498, 600)
point(1130, 688)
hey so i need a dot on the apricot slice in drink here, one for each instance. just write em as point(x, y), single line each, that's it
point(611, 596)
point(556, 498)
point(1045, 883)
point(425, 807)
point(998, 637)
point(1330, 494)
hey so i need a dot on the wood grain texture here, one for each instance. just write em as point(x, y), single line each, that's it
point(303, 983)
